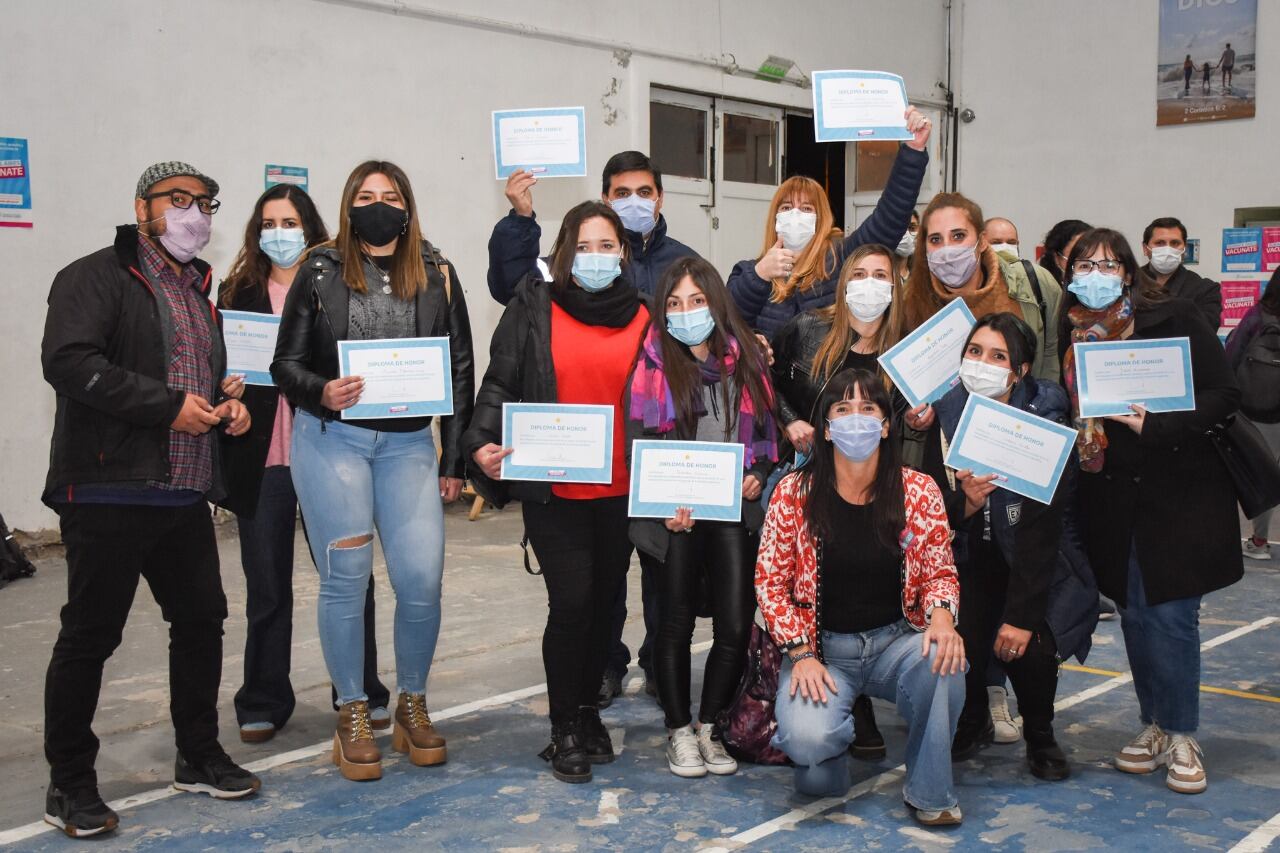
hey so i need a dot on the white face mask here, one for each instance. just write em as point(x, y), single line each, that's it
point(1007, 248)
point(906, 245)
point(985, 380)
point(868, 298)
point(795, 228)
point(1165, 259)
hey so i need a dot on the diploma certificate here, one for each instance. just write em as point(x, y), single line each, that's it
point(859, 106)
point(1028, 452)
point(926, 363)
point(703, 475)
point(403, 377)
point(250, 339)
point(1156, 373)
point(558, 443)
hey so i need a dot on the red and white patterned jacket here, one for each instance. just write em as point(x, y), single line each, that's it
point(787, 564)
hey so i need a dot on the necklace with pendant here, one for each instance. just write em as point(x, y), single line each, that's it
point(382, 274)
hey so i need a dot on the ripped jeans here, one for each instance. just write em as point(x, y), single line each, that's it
point(350, 480)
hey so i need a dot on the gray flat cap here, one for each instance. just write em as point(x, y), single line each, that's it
point(158, 172)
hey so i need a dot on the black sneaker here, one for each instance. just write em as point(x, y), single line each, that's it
point(610, 689)
point(971, 738)
point(868, 743)
point(217, 776)
point(79, 812)
point(595, 737)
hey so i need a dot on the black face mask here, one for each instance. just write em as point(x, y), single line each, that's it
point(379, 223)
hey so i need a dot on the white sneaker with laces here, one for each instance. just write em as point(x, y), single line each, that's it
point(1143, 753)
point(714, 756)
point(1257, 552)
point(1186, 765)
point(683, 755)
point(1007, 729)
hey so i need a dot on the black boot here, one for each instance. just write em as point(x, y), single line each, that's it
point(1045, 758)
point(868, 743)
point(569, 762)
point(595, 737)
point(971, 736)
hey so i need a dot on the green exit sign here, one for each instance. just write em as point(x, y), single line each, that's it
point(774, 68)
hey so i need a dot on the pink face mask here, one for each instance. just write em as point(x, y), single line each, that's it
point(186, 232)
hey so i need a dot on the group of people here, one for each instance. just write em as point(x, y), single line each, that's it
point(1227, 62)
point(879, 572)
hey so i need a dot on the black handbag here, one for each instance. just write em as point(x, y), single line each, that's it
point(1251, 463)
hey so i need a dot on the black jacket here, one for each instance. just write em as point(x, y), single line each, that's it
point(315, 318)
point(1205, 293)
point(244, 457)
point(520, 371)
point(105, 352)
point(513, 254)
point(1167, 491)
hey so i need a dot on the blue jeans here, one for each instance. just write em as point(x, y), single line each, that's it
point(1163, 645)
point(885, 663)
point(349, 480)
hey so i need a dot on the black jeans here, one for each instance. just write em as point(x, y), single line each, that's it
point(619, 654)
point(1033, 675)
point(108, 548)
point(583, 549)
point(266, 555)
point(727, 553)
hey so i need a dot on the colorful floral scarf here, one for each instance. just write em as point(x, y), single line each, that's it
point(652, 403)
point(1107, 324)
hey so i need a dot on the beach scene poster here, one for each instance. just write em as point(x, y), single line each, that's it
point(1207, 63)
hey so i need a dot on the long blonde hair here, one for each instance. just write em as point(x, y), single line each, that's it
point(841, 338)
point(408, 272)
point(818, 260)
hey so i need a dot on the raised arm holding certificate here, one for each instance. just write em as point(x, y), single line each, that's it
point(1112, 375)
point(859, 106)
point(1027, 452)
point(926, 363)
point(403, 377)
point(705, 476)
point(557, 442)
point(250, 339)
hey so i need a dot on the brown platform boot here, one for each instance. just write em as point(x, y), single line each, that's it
point(354, 750)
point(414, 732)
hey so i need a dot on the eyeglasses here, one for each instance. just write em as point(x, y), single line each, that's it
point(1107, 266)
point(182, 200)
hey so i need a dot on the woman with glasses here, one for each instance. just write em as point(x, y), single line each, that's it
point(803, 250)
point(284, 226)
point(379, 279)
point(1157, 505)
point(572, 339)
point(857, 585)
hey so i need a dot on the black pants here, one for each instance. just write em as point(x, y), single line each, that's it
point(619, 654)
point(1033, 675)
point(108, 548)
point(583, 549)
point(727, 553)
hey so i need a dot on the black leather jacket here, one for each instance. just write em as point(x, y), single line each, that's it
point(315, 319)
point(794, 347)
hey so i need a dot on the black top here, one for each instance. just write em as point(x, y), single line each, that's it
point(861, 578)
point(384, 263)
point(861, 361)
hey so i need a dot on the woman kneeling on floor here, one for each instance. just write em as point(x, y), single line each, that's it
point(851, 543)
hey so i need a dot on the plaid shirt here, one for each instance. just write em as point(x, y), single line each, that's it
point(190, 456)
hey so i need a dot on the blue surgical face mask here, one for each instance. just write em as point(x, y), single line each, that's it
point(595, 271)
point(856, 436)
point(283, 245)
point(691, 327)
point(636, 213)
point(1097, 290)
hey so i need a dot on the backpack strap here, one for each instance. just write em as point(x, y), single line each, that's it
point(1035, 288)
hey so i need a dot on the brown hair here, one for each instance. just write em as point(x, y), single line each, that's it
point(681, 369)
point(252, 267)
point(408, 272)
point(818, 260)
point(831, 352)
point(920, 298)
point(566, 245)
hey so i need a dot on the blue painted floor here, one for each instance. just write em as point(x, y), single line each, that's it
point(495, 794)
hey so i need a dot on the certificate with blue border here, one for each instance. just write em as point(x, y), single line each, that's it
point(705, 476)
point(558, 443)
point(857, 106)
point(250, 339)
point(1028, 452)
point(1155, 372)
point(403, 377)
point(926, 363)
point(551, 143)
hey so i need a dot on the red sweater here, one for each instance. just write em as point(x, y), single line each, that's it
point(592, 365)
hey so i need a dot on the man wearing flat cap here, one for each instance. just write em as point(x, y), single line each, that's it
point(133, 348)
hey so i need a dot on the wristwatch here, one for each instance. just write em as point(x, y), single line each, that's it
point(945, 605)
point(791, 645)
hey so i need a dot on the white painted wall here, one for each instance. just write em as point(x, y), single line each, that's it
point(103, 89)
point(1066, 124)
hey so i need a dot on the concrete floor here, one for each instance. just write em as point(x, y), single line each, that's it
point(487, 695)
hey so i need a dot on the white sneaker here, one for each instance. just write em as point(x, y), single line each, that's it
point(683, 755)
point(1257, 552)
point(1143, 754)
point(1186, 765)
point(1007, 731)
point(714, 756)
